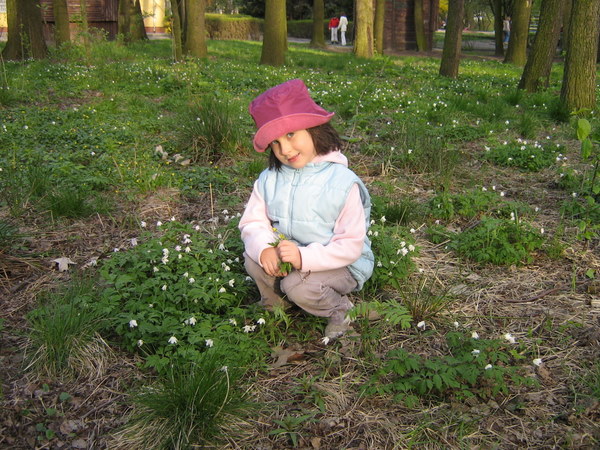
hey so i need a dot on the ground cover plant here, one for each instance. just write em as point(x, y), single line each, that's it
point(128, 320)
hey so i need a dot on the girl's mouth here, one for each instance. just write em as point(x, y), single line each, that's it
point(293, 158)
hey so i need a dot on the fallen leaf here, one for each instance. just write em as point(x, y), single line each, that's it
point(63, 263)
point(285, 355)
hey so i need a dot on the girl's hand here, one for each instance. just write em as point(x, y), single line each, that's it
point(289, 252)
point(269, 260)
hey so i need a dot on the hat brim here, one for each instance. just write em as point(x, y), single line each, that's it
point(286, 124)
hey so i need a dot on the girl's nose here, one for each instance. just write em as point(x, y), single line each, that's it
point(285, 147)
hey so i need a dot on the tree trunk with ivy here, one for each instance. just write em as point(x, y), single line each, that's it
point(136, 26)
point(363, 35)
point(453, 39)
point(579, 77)
point(379, 25)
point(537, 70)
point(25, 38)
point(274, 39)
point(517, 45)
point(318, 36)
point(62, 30)
point(195, 29)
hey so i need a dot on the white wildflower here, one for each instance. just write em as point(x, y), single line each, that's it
point(209, 342)
point(261, 321)
point(222, 290)
point(133, 323)
point(173, 340)
point(488, 367)
point(143, 224)
point(140, 342)
point(510, 338)
point(249, 328)
point(325, 340)
point(476, 352)
point(537, 362)
point(231, 282)
point(233, 322)
point(474, 335)
point(421, 325)
point(192, 280)
point(164, 287)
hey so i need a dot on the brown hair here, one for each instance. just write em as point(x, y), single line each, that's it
point(325, 138)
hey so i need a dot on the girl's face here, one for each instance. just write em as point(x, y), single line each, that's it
point(295, 149)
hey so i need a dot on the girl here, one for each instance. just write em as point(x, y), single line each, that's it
point(309, 197)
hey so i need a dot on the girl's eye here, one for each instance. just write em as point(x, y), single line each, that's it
point(290, 135)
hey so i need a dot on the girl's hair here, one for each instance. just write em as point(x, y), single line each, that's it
point(325, 138)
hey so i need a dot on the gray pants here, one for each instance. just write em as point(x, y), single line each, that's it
point(322, 294)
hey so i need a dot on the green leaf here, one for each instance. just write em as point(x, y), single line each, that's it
point(583, 129)
point(64, 397)
point(586, 148)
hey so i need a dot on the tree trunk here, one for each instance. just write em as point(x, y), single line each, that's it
point(318, 36)
point(419, 26)
point(579, 77)
point(136, 24)
point(363, 35)
point(274, 40)
point(539, 63)
point(195, 29)
point(62, 31)
point(564, 36)
point(498, 33)
point(25, 32)
point(517, 45)
point(378, 26)
point(176, 29)
point(453, 39)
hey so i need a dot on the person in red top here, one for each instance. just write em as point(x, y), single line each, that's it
point(333, 26)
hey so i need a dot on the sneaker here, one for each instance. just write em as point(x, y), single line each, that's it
point(335, 330)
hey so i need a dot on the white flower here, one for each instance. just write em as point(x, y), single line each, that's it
point(382, 219)
point(488, 367)
point(222, 290)
point(178, 248)
point(231, 282)
point(411, 248)
point(164, 287)
point(222, 247)
point(186, 274)
point(421, 325)
point(155, 269)
point(456, 325)
point(209, 342)
point(140, 343)
point(133, 242)
point(187, 249)
point(404, 251)
point(476, 352)
point(574, 194)
point(173, 340)
point(173, 219)
point(249, 328)
point(412, 230)
point(192, 280)
point(474, 335)
point(233, 322)
point(133, 323)
point(325, 340)
point(537, 362)
point(509, 337)
point(542, 231)
point(143, 224)
point(159, 223)
point(261, 321)
point(191, 321)
point(223, 369)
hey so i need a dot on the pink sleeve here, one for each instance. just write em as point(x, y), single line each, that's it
point(255, 226)
point(347, 242)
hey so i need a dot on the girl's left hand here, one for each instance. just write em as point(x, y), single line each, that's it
point(289, 252)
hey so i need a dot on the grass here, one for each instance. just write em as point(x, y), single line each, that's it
point(81, 134)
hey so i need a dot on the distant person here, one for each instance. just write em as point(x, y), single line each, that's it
point(343, 27)
point(506, 29)
point(333, 27)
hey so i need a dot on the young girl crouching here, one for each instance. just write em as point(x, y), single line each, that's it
point(310, 197)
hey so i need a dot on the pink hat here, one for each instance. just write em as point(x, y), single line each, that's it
point(282, 109)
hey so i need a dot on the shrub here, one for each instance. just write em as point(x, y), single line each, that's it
point(242, 28)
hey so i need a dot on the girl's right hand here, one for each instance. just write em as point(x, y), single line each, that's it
point(270, 262)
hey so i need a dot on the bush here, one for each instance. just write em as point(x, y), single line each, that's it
point(242, 28)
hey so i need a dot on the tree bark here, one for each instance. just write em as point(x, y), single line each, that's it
point(453, 39)
point(419, 26)
point(517, 45)
point(318, 35)
point(363, 36)
point(564, 36)
point(124, 20)
point(537, 70)
point(274, 40)
point(25, 38)
point(378, 26)
point(579, 78)
point(195, 26)
point(62, 30)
